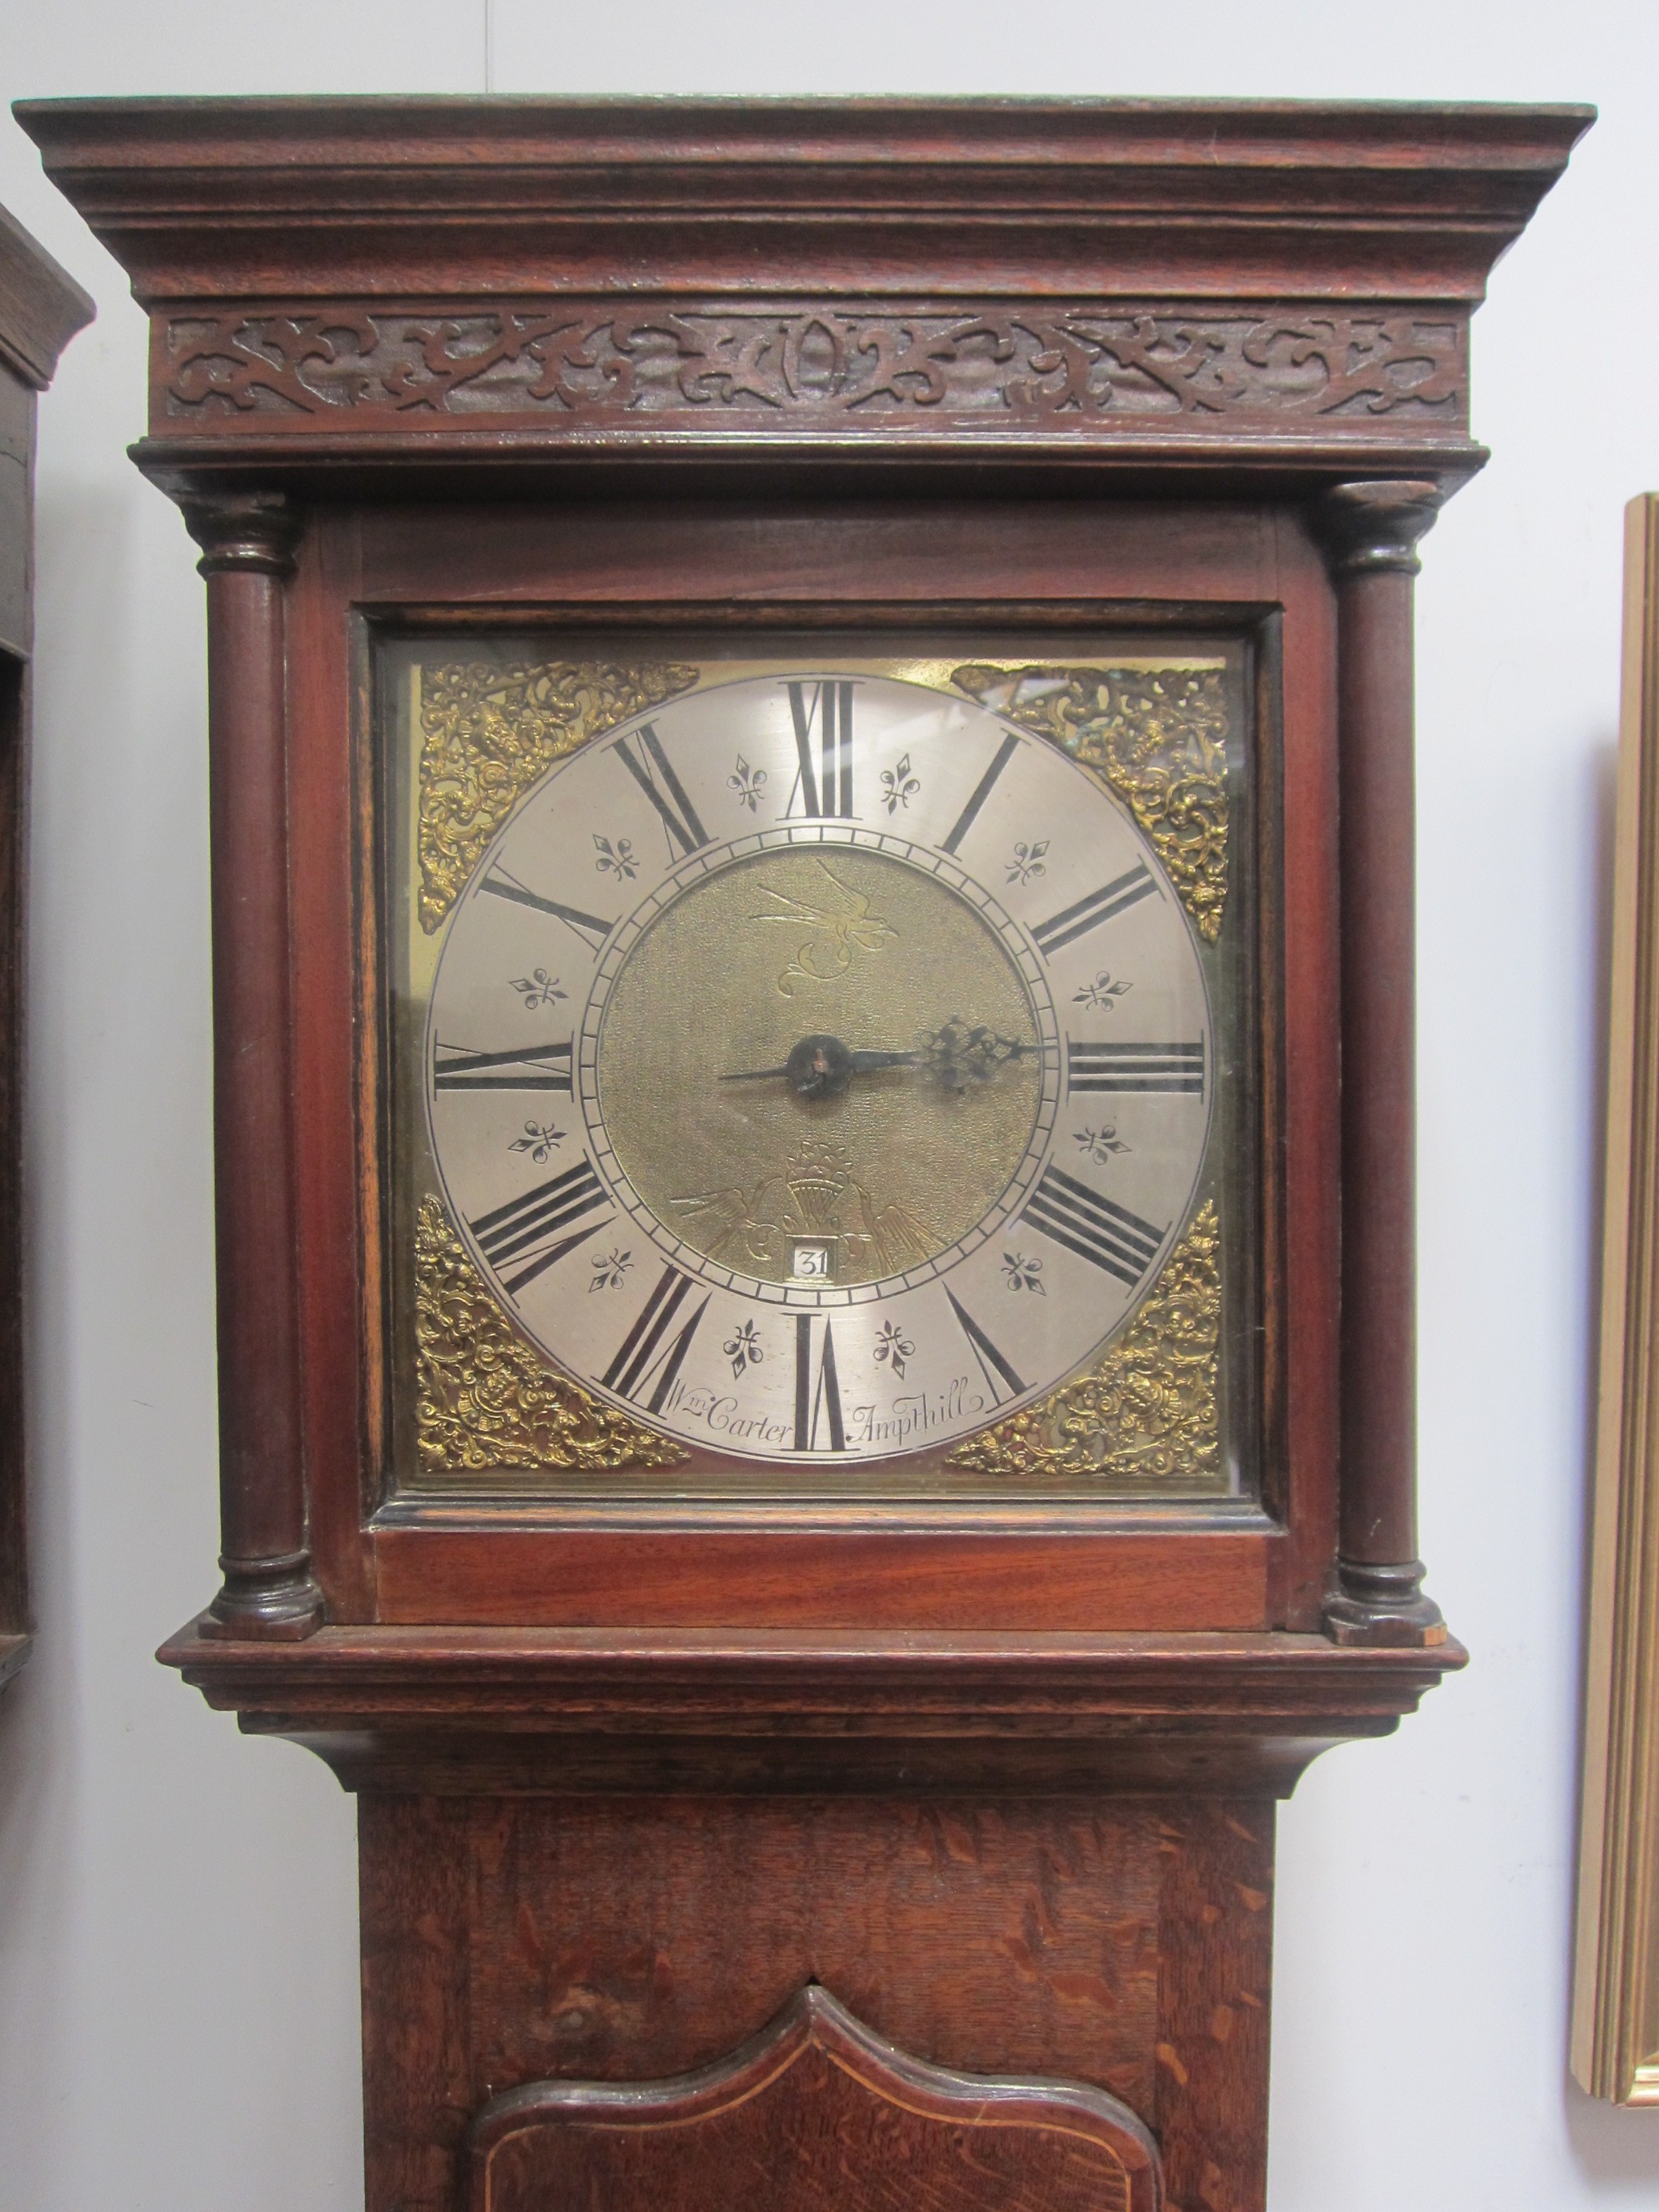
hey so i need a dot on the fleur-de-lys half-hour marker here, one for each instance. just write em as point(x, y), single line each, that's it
point(539, 1139)
point(1100, 1144)
point(608, 1272)
point(748, 783)
point(1099, 996)
point(743, 1349)
point(1023, 1275)
point(894, 1347)
point(898, 785)
point(1028, 862)
point(538, 988)
point(616, 859)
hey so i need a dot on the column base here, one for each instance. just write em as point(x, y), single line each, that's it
point(1381, 1605)
point(269, 1599)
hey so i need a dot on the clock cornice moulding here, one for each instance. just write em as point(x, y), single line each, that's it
point(41, 306)
point(1266, 285)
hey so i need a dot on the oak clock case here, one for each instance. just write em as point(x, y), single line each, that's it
point(816, 1065)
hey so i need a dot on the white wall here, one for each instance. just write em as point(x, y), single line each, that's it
point(176, 1909)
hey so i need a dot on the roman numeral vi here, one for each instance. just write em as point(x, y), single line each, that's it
point(816, 1394)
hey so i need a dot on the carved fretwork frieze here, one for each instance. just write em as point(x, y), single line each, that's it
point(574, 363)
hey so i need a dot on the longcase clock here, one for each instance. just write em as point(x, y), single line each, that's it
point(811, 798)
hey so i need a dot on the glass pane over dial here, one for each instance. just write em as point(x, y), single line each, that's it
point(819, 1067)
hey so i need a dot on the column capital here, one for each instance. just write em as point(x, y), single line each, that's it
point(249, 530)
point(1374, 524)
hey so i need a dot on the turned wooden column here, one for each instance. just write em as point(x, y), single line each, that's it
point(1371, 532)
point(247, 543)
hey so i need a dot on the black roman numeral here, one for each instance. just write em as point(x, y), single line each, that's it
point(1093, 1227)
point(982, 789)
point(648, 770)
point(588, 926)
point(649, 1355)
point(528, 1229)
point(992, 1365)
point(1073, 922)
point(832, 705)
point(537, 1068)
point(1173, 1068)
point(817, 1394)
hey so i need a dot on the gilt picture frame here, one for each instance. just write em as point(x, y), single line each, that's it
point(1615, 2019)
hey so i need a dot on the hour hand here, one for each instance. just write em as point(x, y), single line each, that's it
point(823, 1062)
point(819, 1067)
point(955, 1056)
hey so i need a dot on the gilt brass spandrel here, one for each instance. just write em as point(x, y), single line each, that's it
point(1148, 1411)
point(1156, 736)
point(485, 1400)
point(487, 731)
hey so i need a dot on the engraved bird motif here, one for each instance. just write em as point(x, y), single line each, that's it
point(838, 927)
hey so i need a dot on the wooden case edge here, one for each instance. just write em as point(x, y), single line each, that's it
point(1616, 2032)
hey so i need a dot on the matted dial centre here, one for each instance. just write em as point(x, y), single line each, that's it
point(790, 969)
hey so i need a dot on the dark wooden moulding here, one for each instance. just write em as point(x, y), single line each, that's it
point(1001, 1783)
point(41, 308)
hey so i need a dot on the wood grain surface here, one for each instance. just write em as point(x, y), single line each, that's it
point(1123, 1946)
point(574, 1711)
point(1256, 284)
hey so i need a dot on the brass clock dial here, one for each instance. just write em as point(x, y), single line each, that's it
point(819, 1067)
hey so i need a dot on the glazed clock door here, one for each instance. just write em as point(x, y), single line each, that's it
point(816, 1064)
